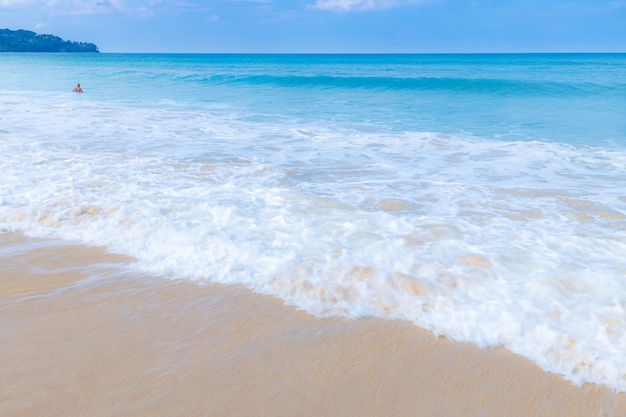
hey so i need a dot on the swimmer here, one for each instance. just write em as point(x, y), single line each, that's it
point(77, 89)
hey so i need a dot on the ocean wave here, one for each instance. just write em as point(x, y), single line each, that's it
point(515, 244)
point(488, 86)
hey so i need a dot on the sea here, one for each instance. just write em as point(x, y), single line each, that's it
point(481, 197)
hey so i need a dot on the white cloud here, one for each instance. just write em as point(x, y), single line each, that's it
point(89, 7)
point(141, 8)
point(10, 3)
point(361, 5)
point(144, 11)
point(83, 7)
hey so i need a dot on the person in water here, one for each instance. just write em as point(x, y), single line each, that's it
point(77, 89)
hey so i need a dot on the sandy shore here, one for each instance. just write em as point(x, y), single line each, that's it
point(81, 336)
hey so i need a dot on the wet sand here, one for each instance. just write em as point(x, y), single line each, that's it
point(82, 336)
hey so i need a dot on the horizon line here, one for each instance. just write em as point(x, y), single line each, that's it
point(368, 53)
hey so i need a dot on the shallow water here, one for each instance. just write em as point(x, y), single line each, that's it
point(84, 334)
point(480, 197)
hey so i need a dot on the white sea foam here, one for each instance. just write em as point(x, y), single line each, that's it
point(520, 244)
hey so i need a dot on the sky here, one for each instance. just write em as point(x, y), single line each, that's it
point(327, 26)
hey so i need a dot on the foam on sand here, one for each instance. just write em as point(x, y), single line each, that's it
point(112, 344)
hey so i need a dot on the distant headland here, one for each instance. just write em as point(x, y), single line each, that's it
point(27, 41)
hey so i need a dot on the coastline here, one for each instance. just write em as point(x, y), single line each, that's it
point(82, 335)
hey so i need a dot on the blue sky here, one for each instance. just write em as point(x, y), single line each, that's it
point(335, 26)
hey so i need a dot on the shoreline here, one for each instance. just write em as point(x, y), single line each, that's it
point(82, 335)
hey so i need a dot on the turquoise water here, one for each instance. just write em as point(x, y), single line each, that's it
point(571, 98)
point(480, 197)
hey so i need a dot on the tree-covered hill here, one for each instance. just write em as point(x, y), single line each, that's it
point(27, 41)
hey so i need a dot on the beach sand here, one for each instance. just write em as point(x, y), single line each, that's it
point(82, 336)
